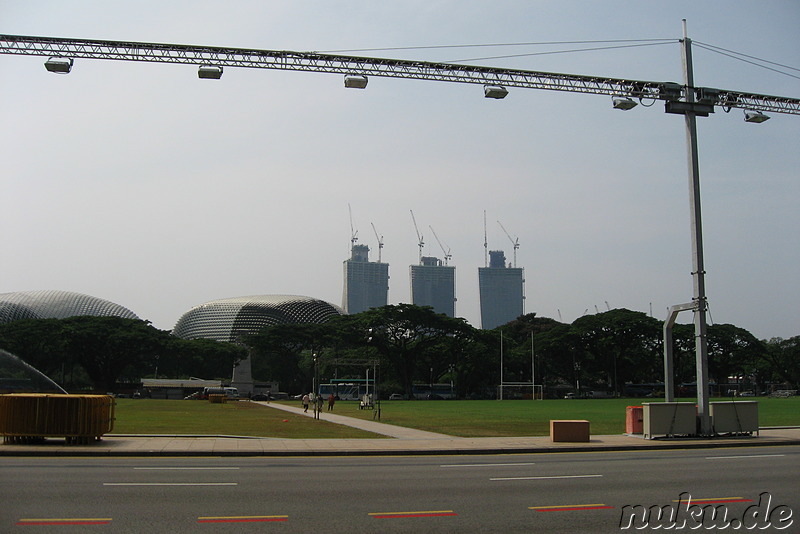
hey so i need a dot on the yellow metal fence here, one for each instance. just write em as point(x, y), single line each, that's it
point(31, 417)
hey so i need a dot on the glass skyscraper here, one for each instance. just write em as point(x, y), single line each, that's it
point(502, 291)
point(434, 284)
point(366, 283)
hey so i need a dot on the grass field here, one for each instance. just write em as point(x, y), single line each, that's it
point(532, 418)
point(149, 416)
point(457, 418)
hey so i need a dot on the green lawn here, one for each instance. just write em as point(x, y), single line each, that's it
point(532, 418)
point(457, 418)
point(149, 416)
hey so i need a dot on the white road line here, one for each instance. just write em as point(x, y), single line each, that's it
point(545, 478)
point(749, 456)
point(486, 465)
point(184, 468)
point(170, 483)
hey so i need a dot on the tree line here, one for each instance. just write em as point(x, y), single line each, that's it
point(410, 345)
point(605, 351)
point(99, 353)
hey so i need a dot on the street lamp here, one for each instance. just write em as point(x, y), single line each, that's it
point(698, 102)
point(315, 357)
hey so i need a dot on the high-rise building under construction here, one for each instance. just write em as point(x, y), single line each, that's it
point(502, 291)
point(366, 284)
point(434, 284)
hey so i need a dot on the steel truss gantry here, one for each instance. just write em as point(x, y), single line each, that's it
point(706, 97)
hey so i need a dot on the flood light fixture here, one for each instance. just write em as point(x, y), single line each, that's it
point(59, 65)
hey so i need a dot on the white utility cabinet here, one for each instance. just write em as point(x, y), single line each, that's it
point(735, 417)
point(669, 419)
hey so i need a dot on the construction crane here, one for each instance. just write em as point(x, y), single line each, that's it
point(420, 242)
point(446, 253)
point(514, 242)
point(685, 99)
point(353, 232)
point(485, 242)
point(380, 242)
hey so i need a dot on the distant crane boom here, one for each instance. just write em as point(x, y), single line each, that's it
point(420, 242)
point(446, 253)
point(353, 232)
point(514, 242)
point(485, 242)
point(380, 242)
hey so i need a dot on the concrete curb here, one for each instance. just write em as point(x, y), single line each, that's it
point(229, 446)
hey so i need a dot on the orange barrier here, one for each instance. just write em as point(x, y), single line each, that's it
point(31, 417)
point(634, 420)
point(218, 398)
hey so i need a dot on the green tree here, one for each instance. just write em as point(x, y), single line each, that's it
point(102, 350)
point(40, 344)
point(732, 351)
point(620, 346)
point(683, 354)
point(106, 346)
point(412, 340)
point(523, 339)
point(782, 361)
point(202, 358)
point(283, 353)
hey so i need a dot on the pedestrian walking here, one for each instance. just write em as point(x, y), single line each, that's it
point(306, 401)
point(331, 402)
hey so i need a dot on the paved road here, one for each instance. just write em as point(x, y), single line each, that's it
point(572, 492)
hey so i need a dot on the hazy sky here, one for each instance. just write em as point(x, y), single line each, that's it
point(143, 185)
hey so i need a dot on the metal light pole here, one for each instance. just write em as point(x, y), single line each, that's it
point(315, 356)
point(698, 268)
point(501, 365)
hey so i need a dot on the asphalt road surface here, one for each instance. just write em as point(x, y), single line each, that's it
point(556, 492)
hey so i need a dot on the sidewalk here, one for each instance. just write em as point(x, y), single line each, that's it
point(375, 427)
point(406, 441)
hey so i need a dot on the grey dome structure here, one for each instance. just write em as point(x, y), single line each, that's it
point(11, 311)
point(225, 319)
point(54, 304)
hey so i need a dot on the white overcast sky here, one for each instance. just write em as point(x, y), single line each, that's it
point(143, 185)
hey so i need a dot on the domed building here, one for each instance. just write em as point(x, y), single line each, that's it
point(54, 304)
point(225, 319)
point(11, 311)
